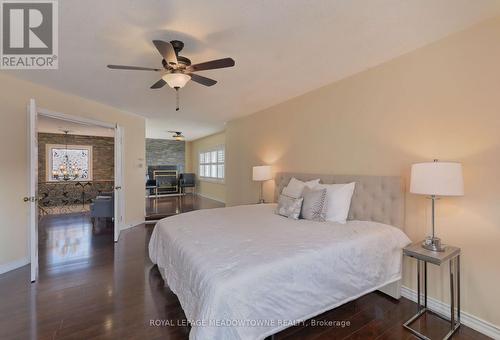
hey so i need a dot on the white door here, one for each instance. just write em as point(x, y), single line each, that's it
point(119, 201)
point(32, 198)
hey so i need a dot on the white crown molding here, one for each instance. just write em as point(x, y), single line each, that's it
point(466, 319)
point(7, 267)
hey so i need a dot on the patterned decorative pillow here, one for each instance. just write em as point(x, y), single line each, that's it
point(314, 205)
point(295, 187)
point(289, 207)
point(338, 197)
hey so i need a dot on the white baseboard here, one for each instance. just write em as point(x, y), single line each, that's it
point(129, 225)
point(467, 319)
point(7, 267)
point(136, 224)
point(210, 197)
point(164, 195)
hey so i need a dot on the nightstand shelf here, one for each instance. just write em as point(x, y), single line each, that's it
point(424, 256)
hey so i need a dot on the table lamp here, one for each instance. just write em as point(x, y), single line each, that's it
point(260, 174)
point(436, 179)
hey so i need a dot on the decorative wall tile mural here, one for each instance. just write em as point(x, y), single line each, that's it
point(72, 160)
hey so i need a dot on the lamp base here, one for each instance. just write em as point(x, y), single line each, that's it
point(433, 244)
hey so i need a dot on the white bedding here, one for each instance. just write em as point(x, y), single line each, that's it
point(245, 273)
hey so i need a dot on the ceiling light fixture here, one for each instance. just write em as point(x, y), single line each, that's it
point(177, 69)
point(68, 170)
point(176, 80)
point(177, 135)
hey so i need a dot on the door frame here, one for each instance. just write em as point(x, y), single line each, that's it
point(31, 198)
point(118, 182)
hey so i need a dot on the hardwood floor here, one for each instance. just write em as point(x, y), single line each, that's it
point(69, 242)
point(161, 207)
point(92, 288)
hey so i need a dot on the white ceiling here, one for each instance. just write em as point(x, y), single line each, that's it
point(53, 125)
point(282, 49)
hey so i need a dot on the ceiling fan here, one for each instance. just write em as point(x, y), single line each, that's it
point(177, 135)
point(177, 70)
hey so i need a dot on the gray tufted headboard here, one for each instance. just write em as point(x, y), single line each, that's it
point(375, 198)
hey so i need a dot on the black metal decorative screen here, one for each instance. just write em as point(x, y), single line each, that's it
point(67, 197)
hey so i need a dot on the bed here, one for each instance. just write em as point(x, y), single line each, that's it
point(246, 273)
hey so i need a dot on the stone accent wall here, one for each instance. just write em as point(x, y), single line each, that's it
point(166, 152)
point(103, 153)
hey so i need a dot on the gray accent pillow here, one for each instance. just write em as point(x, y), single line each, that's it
point(314, 205)
point(289, 207)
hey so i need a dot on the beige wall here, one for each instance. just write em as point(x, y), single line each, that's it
point(215, 190)
point(441, 101)
point(189, 157)
point(14, 97)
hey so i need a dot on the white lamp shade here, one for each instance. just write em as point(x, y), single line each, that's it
point(176, 79)
point(437, 178)
point(262, 173)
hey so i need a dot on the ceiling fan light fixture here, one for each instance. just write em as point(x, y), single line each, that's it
point(176, 80)
point(177, 135)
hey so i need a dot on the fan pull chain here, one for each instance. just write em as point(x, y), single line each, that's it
point(176, 99)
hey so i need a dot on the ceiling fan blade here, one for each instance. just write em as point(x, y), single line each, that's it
point(202, 80)
point(159, 84)
point(166, 50)
point(138, 68)
point(213, 64)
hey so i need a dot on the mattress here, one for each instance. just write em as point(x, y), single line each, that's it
point(245, 273)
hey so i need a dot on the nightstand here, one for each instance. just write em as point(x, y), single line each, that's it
point(424, 256)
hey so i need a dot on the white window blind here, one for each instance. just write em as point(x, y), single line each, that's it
point(212, 163)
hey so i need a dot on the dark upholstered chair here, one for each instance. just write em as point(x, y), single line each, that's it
point(187, 180)
point(152, 186)
point(102, 207)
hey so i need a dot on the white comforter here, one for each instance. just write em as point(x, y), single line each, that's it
point(246, 273)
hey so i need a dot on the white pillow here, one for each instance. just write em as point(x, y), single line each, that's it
point(295, 187)
point(338, 200)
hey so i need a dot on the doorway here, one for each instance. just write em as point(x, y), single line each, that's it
point(75, 187)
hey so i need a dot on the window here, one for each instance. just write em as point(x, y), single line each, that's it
point(212, 163)
point(69, 163)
